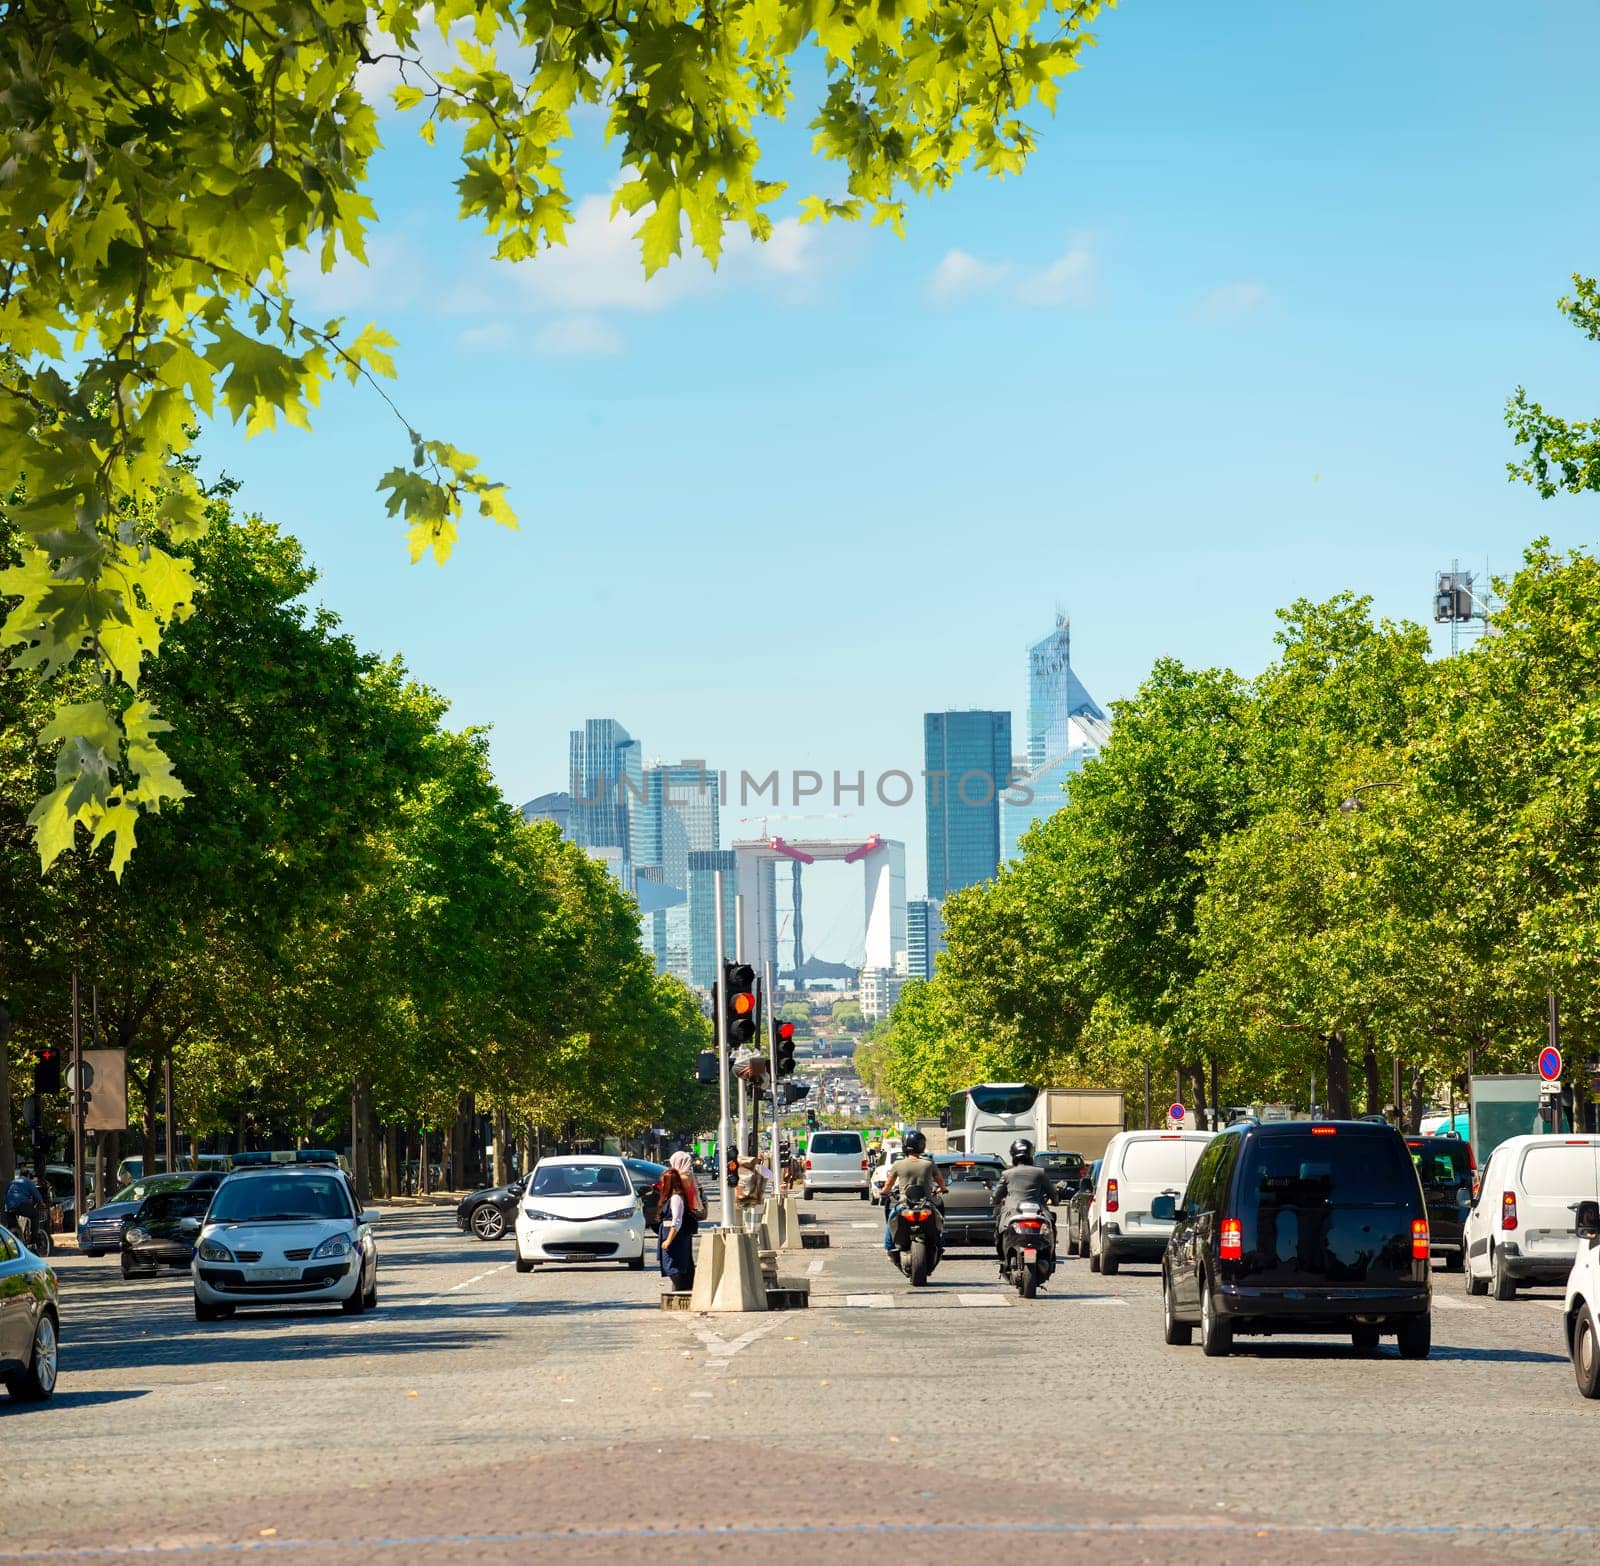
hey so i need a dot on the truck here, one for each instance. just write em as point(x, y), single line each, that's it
point(988, 1117)
point(1079, 1120)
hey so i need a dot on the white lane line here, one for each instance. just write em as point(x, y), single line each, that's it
point(980, 1300)
point(466, 1283)
point(815, 1269)
point(702, 1394)
point(870, 1301)
point(1097, 1299)
point(866, 1226)
point(1443, 1302)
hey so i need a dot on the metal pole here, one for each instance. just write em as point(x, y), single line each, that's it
point(1555, 1043)
point(724, 1128)
point(1147, 1121)
point(78, 1208)
point(772, 1074)
point(166, 1099)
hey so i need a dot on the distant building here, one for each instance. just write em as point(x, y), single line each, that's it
point(924, 936)
point(676, 815)
point(703, 867)
point(878, 991)
point(606, 775)
point(967, 761)
point(550, 807)
point(1066, 727)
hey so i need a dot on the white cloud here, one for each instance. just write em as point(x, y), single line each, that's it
point(1232, 300)
point(960, 274)
point(489, 334)
point(437, 51)
point(1067, 282)
point(578, 335)
point(392, 277)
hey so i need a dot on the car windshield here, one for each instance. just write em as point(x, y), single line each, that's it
point(1002, 1098)
point(142, 1188)
point(580, 1180)
point(274, 1198)
point(176, 1204)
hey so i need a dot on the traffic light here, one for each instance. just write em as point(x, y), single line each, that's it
point(792, 1092)
point(47, 1071)
point(811, 1119)
point(740, 1008)
point(785, 1049)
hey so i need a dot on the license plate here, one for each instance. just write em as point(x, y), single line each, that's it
point(1030, 1254)
point(274, 1274)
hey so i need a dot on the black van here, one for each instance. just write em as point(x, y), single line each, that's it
point(1299, 1226)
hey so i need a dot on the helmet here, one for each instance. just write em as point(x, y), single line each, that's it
point(1022, 1151)
point(915, 1143)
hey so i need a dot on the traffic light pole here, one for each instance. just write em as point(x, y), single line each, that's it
point(772, 1077)
point(78, 1207)
point(724, 1128)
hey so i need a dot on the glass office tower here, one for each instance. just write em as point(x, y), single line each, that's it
point(967, 761)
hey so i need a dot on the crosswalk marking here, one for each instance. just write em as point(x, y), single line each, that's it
point(981, 1299)
point(869, 1301)
point(1443, 1302)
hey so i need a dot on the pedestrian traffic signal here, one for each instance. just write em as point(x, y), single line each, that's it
point(785, 1049)
point(740, 1007)
point(47, 1071)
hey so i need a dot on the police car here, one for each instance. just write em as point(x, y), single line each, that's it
point(285, 1233)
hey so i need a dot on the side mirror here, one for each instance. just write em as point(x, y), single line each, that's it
point(515, 1188)
point(1164, 1209)
point(370, 1215)
point(1588, 1224)
point(188, 1226)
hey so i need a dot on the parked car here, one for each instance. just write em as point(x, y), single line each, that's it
point(163, 1231)
point(969, 1202)
point(100, 1229)
point(1521, 1226)
point(1581, 1309)
point(1444, 1166)
point(1138, 1167)
point(1299, 1227)
point(30, 1322)
point(580, 1207)
point(1064, 1169)
point(1079, 1206)
point(285, 1234)
point(836, 1161)
point(131, 1169)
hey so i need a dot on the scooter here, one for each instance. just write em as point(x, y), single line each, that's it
point(1028, 1248)
point(916, 1227)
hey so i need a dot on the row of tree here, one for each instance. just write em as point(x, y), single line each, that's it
point(1361, 854)
point(341, 907)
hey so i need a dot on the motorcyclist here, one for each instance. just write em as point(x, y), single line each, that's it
point(1023, 1182)
point(25, 1199)
point(916, 1175)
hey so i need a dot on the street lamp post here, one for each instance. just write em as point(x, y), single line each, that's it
point(1353, 803)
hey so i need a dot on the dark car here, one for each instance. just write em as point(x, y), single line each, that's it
point(969, 1203)
point(164, 1230)
point(646, 1178)
point(100, 1229)
point(1076, 1240)
point(1444, 1166)
point(489, 1213)
point(1064, 1169)
point(1299, 1227)
point(30, 1322)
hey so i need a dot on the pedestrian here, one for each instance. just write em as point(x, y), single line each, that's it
point(676, 1234)
point(684, 1164)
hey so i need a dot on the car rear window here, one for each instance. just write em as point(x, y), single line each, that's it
point(1568, 1171)
point(1159, 1162)
point(1333, 1169)
point(1438, 1165)
point(970, 1174)
point(177, 1204)
point(836, 1142)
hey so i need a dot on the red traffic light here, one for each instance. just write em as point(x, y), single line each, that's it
point(785, 1031)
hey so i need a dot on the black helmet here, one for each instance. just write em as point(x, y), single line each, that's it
point(915, 1143)
point(1022, 1151)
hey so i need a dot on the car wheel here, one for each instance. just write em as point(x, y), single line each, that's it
point(807, 1194)
point(523, 1266)
point(636, 1264)
point(128, 1269)
point(1504, 1286)
point(864, 1193)
point(1179, 1334)
point(371, 1301)
point(1365, 1339)
point(1108, 1262)
point(356, 1303)
point(1475, 1285)
point(488, 1222)
point(1216, 1335)
point(1094, 1255)
point(1586, 1354)
point(1415, 1337)
point(38, 1380)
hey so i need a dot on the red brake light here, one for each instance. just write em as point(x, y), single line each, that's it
point(808, 1163)
point(1419, 1239)
point(1231, 1247)
point(1324, 1131)
point(863, 1163)
point(1111, 1196)
point(1508, 1210)
point(1030, 1223)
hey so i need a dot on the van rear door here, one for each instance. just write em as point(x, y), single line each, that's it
point(1556, 1173)
point(1152, 1165)
point(1327, 1207)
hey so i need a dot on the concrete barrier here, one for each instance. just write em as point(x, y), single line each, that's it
point(727, 1274)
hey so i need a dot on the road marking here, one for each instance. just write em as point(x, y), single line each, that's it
point(1552, 1305)
point(815, 1269)
point(866, 1226)
point(1440, 1302)
point(870, 1301)
point(719, 1350)
point(1097, 1299)
point(977, 1300)
point(466, 1283)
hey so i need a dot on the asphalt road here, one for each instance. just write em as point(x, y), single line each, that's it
point(483, 1416)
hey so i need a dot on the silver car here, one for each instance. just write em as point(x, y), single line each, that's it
point(837, 1161)
point(30, 1322)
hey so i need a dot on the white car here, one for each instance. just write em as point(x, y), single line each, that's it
point(1138, 1166)
point(580, 1207)
point(284, 1234)
point(836, 1161)
point(1520, 1229)
point(1582, 1307)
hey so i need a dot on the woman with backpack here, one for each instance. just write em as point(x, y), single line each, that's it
point(676, 1233)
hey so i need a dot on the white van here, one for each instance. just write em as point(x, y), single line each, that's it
point(1523, 1226)
point(1138, 1166)
point(836, 1161)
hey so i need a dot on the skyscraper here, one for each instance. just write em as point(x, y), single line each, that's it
point(703, 867)
point(967, 763)
point(924, 936)
point(606, 774)
point(676, 816)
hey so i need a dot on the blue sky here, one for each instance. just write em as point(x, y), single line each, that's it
point(1243, 332)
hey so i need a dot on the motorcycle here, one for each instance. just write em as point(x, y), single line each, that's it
point(1028, 1248)
point(916, 1227)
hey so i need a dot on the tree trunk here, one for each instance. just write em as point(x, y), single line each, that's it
point(8, 1147)
point(1338, 1073)
point(391, 1160)
point(361, 1153)
point(525, 1150)
point(502, 1135)
point(1369, 1070)
point(462, 1145)
point(1216, 1098)
point(1414, 1106)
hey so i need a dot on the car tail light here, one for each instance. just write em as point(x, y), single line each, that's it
point(808, 1163)
point(1111, 1196)
point(863, 1163)
point(1232, 1246)
point(1419, 1239)
point(1324, 1131)
point(1508, 1210)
